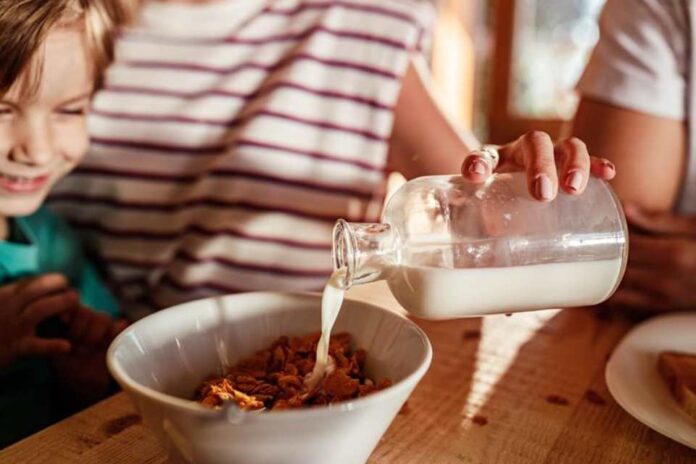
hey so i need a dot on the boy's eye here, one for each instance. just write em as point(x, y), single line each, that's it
point(5, 110)
point(73, 111)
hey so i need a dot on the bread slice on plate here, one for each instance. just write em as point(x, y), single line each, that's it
point(679, 371)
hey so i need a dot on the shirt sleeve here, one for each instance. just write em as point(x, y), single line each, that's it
point(641, 59)
point(394, 33)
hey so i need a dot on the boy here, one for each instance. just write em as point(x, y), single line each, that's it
point(53, 55)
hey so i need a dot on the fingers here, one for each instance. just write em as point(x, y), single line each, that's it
point(648, 251)
point(79, 325)
point(28, 290)
point(476, 168)
point(45, 307)
point(647, 283)
point(575, 168)
point(660, 223)
point(662, 255)
point(649, 290)
point(90, 328)
point(538, 160)
point(98, 330)
point(536, 154)
point(636, 302)
point(33, 346)
point(602, 168)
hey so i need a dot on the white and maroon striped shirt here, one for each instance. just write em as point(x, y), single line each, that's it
point(231, 135)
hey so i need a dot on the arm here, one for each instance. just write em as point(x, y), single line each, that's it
point(423, 141)
point(636, 142)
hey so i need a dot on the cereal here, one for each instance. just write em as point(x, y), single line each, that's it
point(274, 378)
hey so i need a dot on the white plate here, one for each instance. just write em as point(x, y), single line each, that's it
point(635, 383)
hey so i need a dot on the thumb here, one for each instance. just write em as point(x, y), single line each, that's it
point(666, 223)
point(476, 168)
point(481, 163)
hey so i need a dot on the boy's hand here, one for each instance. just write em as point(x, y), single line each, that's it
point(82, 373)
point(26, 303)
point(88, 328)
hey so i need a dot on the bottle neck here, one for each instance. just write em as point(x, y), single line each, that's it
point(364, 251)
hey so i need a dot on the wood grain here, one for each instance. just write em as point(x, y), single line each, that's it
point(522, 389)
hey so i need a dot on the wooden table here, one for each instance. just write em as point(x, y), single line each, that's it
point(522, 389)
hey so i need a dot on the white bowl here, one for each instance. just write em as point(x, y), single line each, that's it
point(161, 359)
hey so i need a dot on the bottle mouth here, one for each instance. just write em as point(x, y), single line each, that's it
point(344, 251)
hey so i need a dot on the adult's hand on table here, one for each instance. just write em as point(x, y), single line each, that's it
point(544, 162)
point(661, 263)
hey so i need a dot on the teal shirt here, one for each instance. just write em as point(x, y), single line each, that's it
point(49, 245)
point(41, 243)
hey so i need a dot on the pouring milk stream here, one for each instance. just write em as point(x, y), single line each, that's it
point(331, 301)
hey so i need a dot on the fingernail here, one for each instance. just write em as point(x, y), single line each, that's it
point(543, 187)
point(574, 180)
point(477, 167)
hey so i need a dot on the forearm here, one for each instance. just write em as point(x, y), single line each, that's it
point(423, 141)
point(648, 152)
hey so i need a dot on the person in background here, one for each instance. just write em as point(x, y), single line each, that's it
point(637, 109)
point(56, 317)
point(231, 134)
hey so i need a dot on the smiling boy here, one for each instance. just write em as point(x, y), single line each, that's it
point(53, 55)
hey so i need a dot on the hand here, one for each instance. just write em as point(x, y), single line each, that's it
point(661, 263)
point(25, 304)
point(87, 328)
point(82, 373)
point(536, 153)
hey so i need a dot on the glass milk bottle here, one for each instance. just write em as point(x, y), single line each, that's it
point(450, 248)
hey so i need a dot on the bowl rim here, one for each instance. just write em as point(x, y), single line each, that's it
point(192, 407)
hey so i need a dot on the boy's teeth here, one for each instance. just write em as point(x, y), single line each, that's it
point(19, 180)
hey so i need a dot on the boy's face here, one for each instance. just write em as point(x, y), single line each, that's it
point(43, 134)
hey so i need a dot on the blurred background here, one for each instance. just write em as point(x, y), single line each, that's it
point(504, 90)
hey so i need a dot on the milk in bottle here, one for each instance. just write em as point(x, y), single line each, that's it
point(449, 248)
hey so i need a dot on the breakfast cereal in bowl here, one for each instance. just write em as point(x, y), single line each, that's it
point(276, 377)
point(186, 367)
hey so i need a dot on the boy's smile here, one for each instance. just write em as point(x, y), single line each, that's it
point(22, 184)
point(43, 122)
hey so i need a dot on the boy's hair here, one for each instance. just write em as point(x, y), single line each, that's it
point(24, 25)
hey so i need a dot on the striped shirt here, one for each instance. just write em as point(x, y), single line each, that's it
point(231, 135)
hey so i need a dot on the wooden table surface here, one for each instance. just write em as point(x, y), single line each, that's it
point(522, 389)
